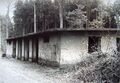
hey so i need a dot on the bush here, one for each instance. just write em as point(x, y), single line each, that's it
point(99, 68)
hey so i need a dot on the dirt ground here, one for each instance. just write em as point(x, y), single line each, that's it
point(15, 71)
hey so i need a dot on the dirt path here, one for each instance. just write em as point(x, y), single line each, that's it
point(15, 71)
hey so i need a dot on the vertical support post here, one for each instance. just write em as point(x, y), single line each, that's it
point(30, 50)
point(17, 49)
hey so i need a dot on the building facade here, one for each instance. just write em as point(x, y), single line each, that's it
point(60, 47)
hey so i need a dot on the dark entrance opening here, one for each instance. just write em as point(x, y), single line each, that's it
point(118, 44)
point(19, 49)
point(14, 49)
point(94, 44)
point(27, 49)
point(35, 49)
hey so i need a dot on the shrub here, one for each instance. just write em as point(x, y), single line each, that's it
point(99, 68)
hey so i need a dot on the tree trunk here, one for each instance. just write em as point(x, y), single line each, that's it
point(60, 2)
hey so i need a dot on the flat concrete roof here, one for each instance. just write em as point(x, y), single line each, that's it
point(66, 30)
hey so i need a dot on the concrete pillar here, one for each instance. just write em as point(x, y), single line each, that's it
point(23, 56)
point(17, 49)
point(30, 50)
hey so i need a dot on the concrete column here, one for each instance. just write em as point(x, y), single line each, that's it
point(17, 50)
point(23, 56)
point(30, 50)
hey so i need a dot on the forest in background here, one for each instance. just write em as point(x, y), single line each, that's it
point(63, 14)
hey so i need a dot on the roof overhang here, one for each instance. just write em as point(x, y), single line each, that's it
point(50, 31)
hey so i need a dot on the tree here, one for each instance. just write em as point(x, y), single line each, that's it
point(83, 12)
point(61, 14)
point(116, 8)
point(47, 15)
point(60, 2)
point(76, 17)
point(18, 13)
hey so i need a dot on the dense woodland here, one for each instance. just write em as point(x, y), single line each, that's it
point(63, 14)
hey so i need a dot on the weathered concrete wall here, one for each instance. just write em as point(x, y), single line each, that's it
point(108, 43)
point(50, 51)
point(9, 51)
point(73, 47)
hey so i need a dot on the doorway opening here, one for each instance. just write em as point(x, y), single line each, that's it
point(35, 48)
point(118, 44)
point(94, 44)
